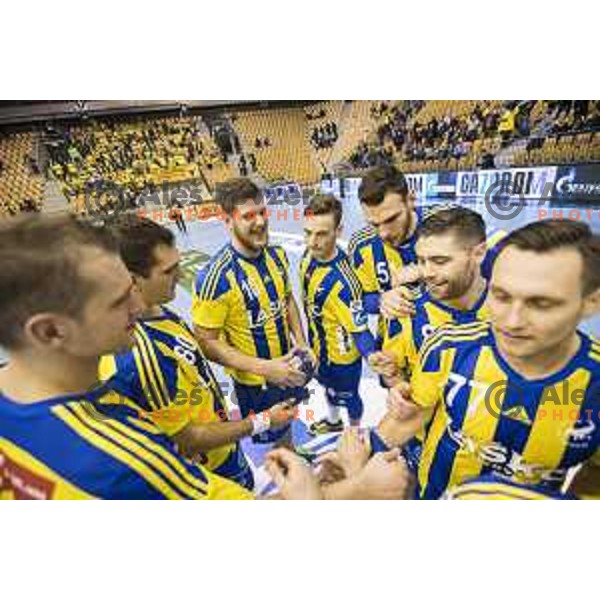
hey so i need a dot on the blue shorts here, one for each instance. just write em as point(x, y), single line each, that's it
point(341, 387)
point(256, 398)
point(237, 468)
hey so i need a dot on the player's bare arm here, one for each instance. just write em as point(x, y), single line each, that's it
point(384, 477)
point(198, 438)
point(399, 301)
point(403, 419)
point(384, 363)
point(279, 371)
point(587, 481)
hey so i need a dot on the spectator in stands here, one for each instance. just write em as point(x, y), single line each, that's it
point(252, 160)
point(486, 161)
point(242, 166)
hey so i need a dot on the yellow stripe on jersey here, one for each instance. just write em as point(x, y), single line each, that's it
point(282, 281)
point(479, 423)
point(116, 398)
point(404, 337)
point(164, 461)
point(149, 390)
point(352, 280)
point(172, 382)
point(135, 459)
point(556, 421)
point(258, 284)
point(152, 369)
point(470, 331)
point(161, 460)
point(148, 427)
point(207, 291)
point(246, 301)
point(493, 491)
point(489, 419)
point(332, 299)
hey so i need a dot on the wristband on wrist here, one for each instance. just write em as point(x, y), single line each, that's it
point(377, 444)
point(261, 422)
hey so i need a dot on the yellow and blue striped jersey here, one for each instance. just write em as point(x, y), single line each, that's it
point(246, 299)
point(96, 445)
point(496, 488)
point(168, 377)
point(372, 259)
point(487, 418)
point(332, 300)
point(404, 337)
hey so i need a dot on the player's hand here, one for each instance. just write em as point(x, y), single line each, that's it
point(292, 476)
point(408, 274)
point(384, 364)
point(351, 455)
point(400, 405)
point(384, 477)
point(282, 372)
point(308, 350)
point(397, 303)
point(282, 413)
point(353, 452)
point(329, 469)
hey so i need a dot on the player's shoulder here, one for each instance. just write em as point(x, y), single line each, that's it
point(362, 238)
point(305, 261)
point(453, 335)
point(171, 315)
point(115, 470)
point(592, 350)
point(212, 280)
point(492, 487)
point(278, 254)
point(170, 322)
point(345, 274)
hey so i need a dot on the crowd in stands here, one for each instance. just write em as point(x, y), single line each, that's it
point(324, 136)
point(571, 116)
point(403, 135)
point(21, 182)
point(137, 155)
point(300, 144)
point(323, 130)
point(263, 142)
point(315, 112)
point(465, 134)
point(247, 164)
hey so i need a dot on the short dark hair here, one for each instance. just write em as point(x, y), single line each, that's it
point(138, 237)
point(325, 204)
point(229, 194)
point(548, 235)
point(468, 225)
point(380, 181)
point(39, 269)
